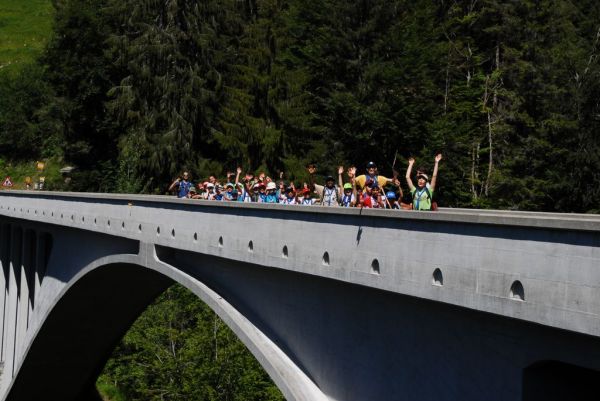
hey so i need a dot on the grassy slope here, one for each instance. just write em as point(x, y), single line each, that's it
point(24, 29)
point(25, 26)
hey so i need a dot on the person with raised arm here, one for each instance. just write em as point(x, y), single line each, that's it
point(182, 184)
point(422, 194)
point(348, 198)
point(245, 188)
point(330, 194)
point(372, 178)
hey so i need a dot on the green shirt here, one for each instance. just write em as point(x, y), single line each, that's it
point(421, 198)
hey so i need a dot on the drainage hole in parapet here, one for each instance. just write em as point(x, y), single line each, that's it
point(123, 225)
point(157, 231)
point(284, 252)
point(517, 292)
point(326, 259)
point(375, 266)
point(437, 278)
point(108, 223)
point(95, 221)
point(250, 246)
point(61, 216)
point(83, 219)
point(173, 232)
point(195, 237)
point(220, 242)
point(140, 228)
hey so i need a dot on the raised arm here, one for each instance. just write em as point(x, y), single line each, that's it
point(438, 157)
point(311, 176)
point(237, 176)
point(411, 186)
point(340, 189)
point(173, 184)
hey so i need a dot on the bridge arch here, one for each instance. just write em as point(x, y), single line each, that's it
point(89, 317)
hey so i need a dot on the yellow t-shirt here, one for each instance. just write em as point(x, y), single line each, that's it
point(361, 181)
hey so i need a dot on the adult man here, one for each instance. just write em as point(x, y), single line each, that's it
point(183, 185)
point(328, 194)
point(372, 178)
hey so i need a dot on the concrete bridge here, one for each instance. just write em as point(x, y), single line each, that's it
point(336, 304)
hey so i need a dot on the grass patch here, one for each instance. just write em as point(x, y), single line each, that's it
point(25, 26)
point(18, 172)
point(108, 391)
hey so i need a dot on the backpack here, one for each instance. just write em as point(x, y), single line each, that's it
point(332, 194)
point(374, 182)
point(434, 206)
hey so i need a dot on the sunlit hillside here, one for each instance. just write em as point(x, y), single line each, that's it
point(24, 29)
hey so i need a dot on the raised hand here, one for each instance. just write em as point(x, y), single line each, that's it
point(411, 161)
point(239, 170)
point(340, 170)
point(438, 157)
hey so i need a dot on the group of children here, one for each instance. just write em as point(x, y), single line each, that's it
point(369, 190)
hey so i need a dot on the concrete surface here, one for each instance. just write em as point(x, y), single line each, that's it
point(341, 304)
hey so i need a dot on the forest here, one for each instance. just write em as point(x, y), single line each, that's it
point(132, 92)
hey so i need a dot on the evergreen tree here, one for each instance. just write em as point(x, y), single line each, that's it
point(180, 350)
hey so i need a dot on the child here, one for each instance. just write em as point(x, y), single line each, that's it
point(422, 193)
point(229, 194)
point(289, 197)
point(271, 193)
point(304, 197)
point(392, 201)
point(349, 197)
point(260, 192)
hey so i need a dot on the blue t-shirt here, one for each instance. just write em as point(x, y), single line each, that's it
point(184, 188)
point(271, 198)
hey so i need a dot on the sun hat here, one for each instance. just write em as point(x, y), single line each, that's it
point(271, 185)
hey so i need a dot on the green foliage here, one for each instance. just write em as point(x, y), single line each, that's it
point(19, 171)
point(109, 391)
point(178, 349)
point(134, 91)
